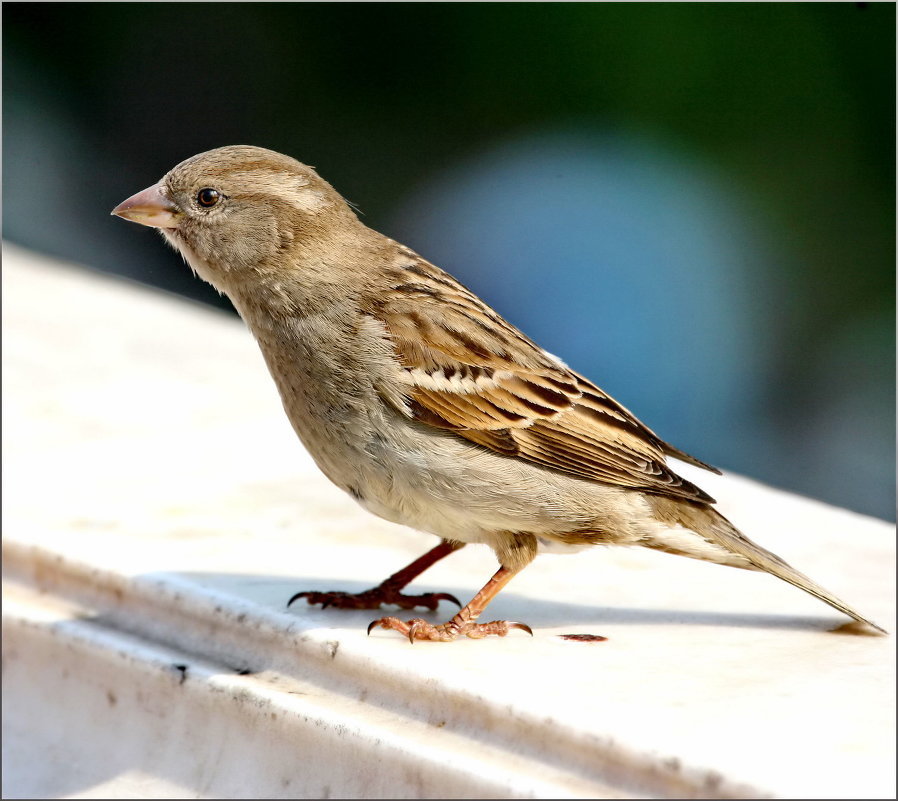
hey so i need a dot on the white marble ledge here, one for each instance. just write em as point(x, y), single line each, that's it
point(158, 512)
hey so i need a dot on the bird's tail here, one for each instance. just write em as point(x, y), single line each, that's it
point(714, 527)
point(730, 537)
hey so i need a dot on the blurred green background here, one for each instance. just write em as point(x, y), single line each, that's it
point(693, 204)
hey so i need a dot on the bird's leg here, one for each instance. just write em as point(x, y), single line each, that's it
point(388, 592)
point(464, 622)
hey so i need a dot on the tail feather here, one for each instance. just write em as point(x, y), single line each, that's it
point(716, 529)
point(670, 450)
point(730, 537)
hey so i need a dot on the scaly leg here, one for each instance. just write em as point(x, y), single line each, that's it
point(388, 591)
point(464, 622)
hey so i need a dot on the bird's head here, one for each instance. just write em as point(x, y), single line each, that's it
point(239, 209)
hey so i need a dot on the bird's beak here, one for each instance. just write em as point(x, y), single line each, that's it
point(150, 207)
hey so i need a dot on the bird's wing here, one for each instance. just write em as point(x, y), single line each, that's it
point(469, 371)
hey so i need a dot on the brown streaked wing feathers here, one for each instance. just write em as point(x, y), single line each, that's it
point(509, 396)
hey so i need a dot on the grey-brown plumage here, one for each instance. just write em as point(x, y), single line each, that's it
point(418, 399)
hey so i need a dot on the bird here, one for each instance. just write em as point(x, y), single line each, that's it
point(424, 404)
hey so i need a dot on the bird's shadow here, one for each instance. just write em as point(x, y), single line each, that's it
point(274, 592)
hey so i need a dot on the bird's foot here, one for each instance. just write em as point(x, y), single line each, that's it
point(418, 629)
point(374, 599)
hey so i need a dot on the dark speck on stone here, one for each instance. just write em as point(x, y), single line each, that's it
point(583, 637)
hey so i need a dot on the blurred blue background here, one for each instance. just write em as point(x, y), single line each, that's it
point(692, 204)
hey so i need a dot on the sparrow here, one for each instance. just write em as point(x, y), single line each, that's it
point(420, 401)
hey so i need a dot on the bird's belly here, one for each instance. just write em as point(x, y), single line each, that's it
point(432, 518)
point(456, 523)
point(444, 485)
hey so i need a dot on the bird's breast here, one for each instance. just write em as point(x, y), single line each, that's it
point(324, 372)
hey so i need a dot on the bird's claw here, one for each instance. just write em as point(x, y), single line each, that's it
point(418, 629)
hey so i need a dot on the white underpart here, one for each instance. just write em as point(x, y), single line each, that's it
point(686, 541)
point(547, 545)
point(463, 385)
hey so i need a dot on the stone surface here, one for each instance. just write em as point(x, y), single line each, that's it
point(158, 513)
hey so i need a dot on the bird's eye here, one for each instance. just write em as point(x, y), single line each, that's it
point(208, 197)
